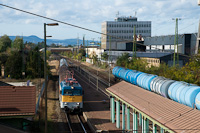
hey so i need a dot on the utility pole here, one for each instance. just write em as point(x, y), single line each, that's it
point(176, 43)
point(45, 77)
point(100, 42)
point(83, 40)
point(92, 39)
point(109, 59)
point(78, 43)
point(87, 50)
point(100, 48)
point(97, 80)
point(198, 36)
point(134, 44)
point(198, 40)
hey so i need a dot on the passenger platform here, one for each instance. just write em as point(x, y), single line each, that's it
point(152, 111)
point(96, 111)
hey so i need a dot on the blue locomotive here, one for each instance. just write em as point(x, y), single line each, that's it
point(71, 92)
point(179, 91)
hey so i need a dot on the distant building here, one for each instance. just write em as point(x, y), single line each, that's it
point(93, 51)
point(58, 50)
point(186, 43)
point(155, 59)
point(128, 46)
point(122, 30)
point(152, 58)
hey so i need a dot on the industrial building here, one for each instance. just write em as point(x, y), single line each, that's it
point(122, 30)
point(152, 58)
point(186, 43)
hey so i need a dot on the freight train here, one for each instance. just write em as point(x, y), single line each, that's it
point(179, 91)
point(70, 91)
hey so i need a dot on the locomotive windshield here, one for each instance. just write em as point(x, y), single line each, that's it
point(72, 92)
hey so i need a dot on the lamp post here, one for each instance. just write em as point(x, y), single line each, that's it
point(45, 72)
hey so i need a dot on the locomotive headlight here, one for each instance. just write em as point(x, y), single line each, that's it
point(65, 103)
point(72, 87)
point(77, 103)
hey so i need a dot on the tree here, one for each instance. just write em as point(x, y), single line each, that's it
point(18, 43)
point(48, 53)
point(34, 65)
point(123, 60)
point(53, 45)
point(13, 65)
point(104, 56)
point(95, 59)
point(29, 45)
point(3, 58)
point(5, 42)
point(79, 56)
point(41, 45)
point(82, 51)
point(137, 64)
point(69, 45)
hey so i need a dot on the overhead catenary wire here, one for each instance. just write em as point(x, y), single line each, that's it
point(188, 25)
point(79, 28)
point(34, 14)
point(87, 29)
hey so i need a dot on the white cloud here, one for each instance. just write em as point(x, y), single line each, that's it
point(92, 12)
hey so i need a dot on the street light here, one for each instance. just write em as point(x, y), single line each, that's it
point(45, 73)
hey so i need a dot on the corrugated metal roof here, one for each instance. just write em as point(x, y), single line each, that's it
point(151, 54)
point(17, 100)
point(175, 116)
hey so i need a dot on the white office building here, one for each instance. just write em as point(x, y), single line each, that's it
point(122, 30)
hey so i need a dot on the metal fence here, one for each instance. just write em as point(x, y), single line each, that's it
point(39, 97)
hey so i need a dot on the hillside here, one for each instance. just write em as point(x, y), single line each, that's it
point(35, 39)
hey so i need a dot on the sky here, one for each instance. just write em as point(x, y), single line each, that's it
point(91, 13)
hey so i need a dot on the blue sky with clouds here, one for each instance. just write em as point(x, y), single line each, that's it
point(91, 13)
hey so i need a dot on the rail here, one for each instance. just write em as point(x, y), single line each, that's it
point(70, 122)
point(100, 81)
point(81, 124)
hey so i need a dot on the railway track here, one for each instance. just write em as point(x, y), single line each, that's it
point(92, 80)
point(91, 77)
point(102, 75)
point(76, 123)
